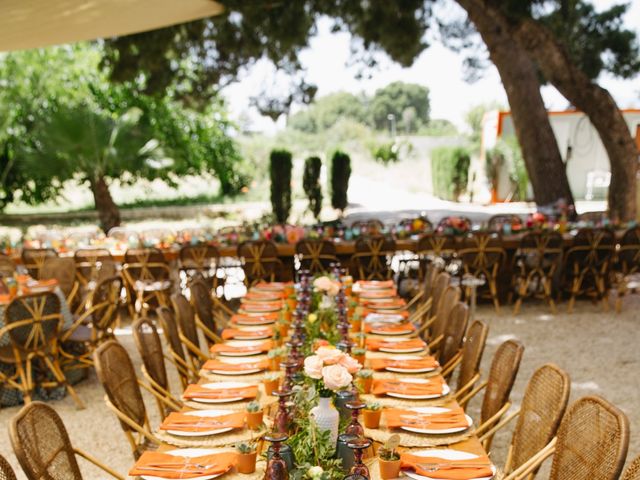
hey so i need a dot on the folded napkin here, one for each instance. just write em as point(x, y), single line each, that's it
point(384, 386)
point(163, 465)
point(261, 306)
point(370, 310)
point(381, 293)
point(390, 304)
point(229, 333)
point(192, 423)
point(258, 347)
point(272, 286)
point(453, 418)
point(374, 284)
point(198, 391)
point(409, 364)
point(214, 364)
point(447, 469)
point(5, 298)
point(258, 296)
point(389, 327)
point(377, 343)
point(244, 319)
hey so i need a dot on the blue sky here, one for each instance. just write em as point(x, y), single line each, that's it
point(438, 68)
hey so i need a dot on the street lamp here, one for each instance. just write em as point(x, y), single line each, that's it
point(392, 121)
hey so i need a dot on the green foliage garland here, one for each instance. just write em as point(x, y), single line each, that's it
point(311, 185)
point(340, 173)
point(280, 172)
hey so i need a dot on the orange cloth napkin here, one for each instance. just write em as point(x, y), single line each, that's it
point(391, 304)
point(272, 286)
point(259, 347)
point(5, 298)
point(163, 465)
point(198, 391)
point(389, 327)
point(244, 319)
point(249, 306)
point(192, 423)
point(367, 311)
point(453, 418)
point(378, 343)
point(214, 364)
point(417, 364)
point(382, 387)
point(374, 284)
point(229, 333)
point(448, 469)
point(382, 293)
point(258, 296)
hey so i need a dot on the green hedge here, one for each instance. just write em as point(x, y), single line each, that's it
point(280, 172)
point(340, 173)
point(311, 185)
point(450, 171)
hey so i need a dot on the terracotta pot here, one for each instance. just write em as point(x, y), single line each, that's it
point(274, 364)
point(286, 314)
point(254, 420)
point(284, 329)
point(246, 462)
point(356, 325)
point(365, 384)
point(292, 303)
point(270, 386)
point(289, 290)
point(371, 418)
point(359, 359)
point(389, 468)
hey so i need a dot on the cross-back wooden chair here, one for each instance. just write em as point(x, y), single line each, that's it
point(6, 471)
point(7, 266)
point(148, 280)
point(260, 261)
point(449, 298)
point(153, 367)
point(472, 350)
point(498, 385)
point(633, 470)
point(171, 334)
point(43, 447)
point(592, 443)
point(543, 406)
point(33, 323)
point(316, 255)
point(450, 348)
point(63, 269)
point(587, 265)
point(436, 245)
point(538, 258)
point(202, 259)
point(123, 396)
point(93, 263)
point(33, 259)
point(204, 306)
point(95, 326)
point(496, 222)
point(482, 256)
point(188, 330)
point(627, 265)
point(371, 260)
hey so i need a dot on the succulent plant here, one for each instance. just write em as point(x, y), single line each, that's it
point(253, 406)
point(246, 447)
point(373, 406)
point(358, 351)
point(365, 373)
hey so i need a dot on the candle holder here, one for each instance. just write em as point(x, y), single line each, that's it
point(354, 428)
point(276, 467)
point(290, 368)
point(358, 446)
point(282, 420)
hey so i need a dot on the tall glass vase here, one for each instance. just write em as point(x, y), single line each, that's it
point(327, 417)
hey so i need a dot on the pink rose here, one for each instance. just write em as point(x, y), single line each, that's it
point(329, 355)
point(333, 289)
point(350, 363)
point(313, 367)
point(322, 283)
point(336, 377)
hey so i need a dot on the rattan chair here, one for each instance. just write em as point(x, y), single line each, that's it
point(153, 367)
point(450, 297)
point(436, 245)
point(123, 396)
point(633, 470)
point(482, 256)
point(172, 336)
point(7, 266)
point(316, 255)
point(472, 350)
point(90, 262)
point(33, 259)
point(422, 301)
point(442, 281)
point(148, 280)
point(543, 406)
point(260, 261)
point(587, 265)
point(188, 330)
point(627, 271)
point(592, 443)
point(207, 316)
point(43, 447)
point(536, 262)
point(450, 349)
point(63, 269)
point(6, 471)
point(502, 375)
point(371, 260)
point(33, 323)
point(201, 259)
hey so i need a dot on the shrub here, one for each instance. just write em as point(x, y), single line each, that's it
point(450, 171)
point(311, 185)
point(280, 173)
point(340, 173)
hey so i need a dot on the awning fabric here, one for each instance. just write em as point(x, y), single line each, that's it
point(26, 24)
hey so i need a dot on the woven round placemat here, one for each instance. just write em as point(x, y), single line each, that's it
point(265, 401)
point(215, 377)
point(384, 374)
point(408, 439)
point(374, 470)
point(401, 402)
point(221, 440)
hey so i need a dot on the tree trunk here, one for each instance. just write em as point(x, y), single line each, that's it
point(519, 77)
point(596, 102)
point(107, 209)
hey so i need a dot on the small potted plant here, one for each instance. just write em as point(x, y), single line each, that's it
point(271, 382)
point(292, 303)
point(356, 324)
point(254, 415)
point(247, 454)
point(389, 459)
point(359, 354)
point(283, 327)
point(365, 380)
point(371, 415)
point(275, 357)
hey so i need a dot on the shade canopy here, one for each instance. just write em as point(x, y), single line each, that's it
point(28, 24)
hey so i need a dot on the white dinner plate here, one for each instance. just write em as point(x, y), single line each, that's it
point(384, 318)
point(241, 343)
point(398, 350)
point(208, 414)
point(447, 454)
point(221, 386)
point(385, 332)
point(409, 370)
point(431, 431)
point(445, 390)
point(263, 321)
point(251, 337)
point(237, 361)
point(188, 452)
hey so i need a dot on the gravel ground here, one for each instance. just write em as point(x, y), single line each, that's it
point(598, 350)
